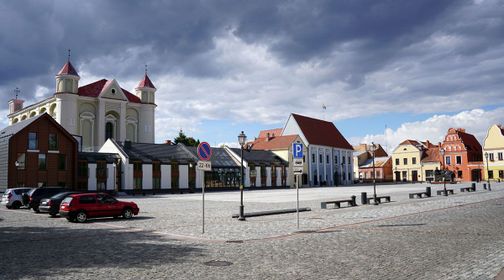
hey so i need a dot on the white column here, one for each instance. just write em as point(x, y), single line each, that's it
point(122, 123)
point(92, 177)
point(183, 176)
point(278, 176)
point(258, 176)
point(110, 176)
point(100, 124)
point(268, 176)
point(165, 176)
point(247, 176)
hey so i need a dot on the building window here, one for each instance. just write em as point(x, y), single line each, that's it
point(499, 155)
point(458, 159)
point(53, 142)
point(405, 161)
point(501, 174)
point(459, 174)
point(61, 162)
point(490, 174)
point(448, 160)
point(42, 164)
point(137, 175)
point(335, 159)
point(405, 175)
point(21, 159)
point(413, 160)
point(109, 130)
point(156, 175)
point(349, 176)
point(32, 141)
point(491, 156)
point(313, 158)
point(82, 170)
point(397, 161)
point(377, 173)
point(342, 160)
point(320, 158)
point(327, 159)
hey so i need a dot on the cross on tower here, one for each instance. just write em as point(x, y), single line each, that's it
point(69, 53)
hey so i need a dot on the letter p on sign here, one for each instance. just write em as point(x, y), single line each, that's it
point(297, 150)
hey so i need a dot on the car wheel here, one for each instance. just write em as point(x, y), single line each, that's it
point(70, 219)
point(127, 213)
point(8, 207)
point(36, 209)
point(16, 205)
point(53, 215)
point(81, 217)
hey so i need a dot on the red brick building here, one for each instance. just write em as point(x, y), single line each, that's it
point(37, 152)
point(463, 155)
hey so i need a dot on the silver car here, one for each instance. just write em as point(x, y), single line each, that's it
point(13, 198)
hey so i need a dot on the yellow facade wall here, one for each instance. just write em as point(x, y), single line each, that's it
point(493, 145)
point(409, 171)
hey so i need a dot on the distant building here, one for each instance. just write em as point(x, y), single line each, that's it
point(431, 162)
point(97, 111)
point(463, 155)
point(329, 157)
point(493, 146)
point(362, 154)
point(37, 152)
point(406, 161)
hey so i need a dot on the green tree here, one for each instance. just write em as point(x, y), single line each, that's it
point(188, 141)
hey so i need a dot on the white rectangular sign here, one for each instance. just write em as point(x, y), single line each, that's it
point(204, 165)
point(297, 162)
point(297, 169)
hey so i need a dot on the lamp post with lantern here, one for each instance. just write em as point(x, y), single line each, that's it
point(242, 138)
point(488, 172)
point(442, 152)
point(373, 150)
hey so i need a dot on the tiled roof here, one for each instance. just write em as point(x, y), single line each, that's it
point(469, 141)
point(431, 155)
point(68, 69)
point(259, 157)
point(157, 152)
point(379, 162)
point(272, 132)
point(275, 143)
point(92, 157)
point(410, 142)
point(146, 82)
point(15, 128)
point(94, 90)
point(319, 132)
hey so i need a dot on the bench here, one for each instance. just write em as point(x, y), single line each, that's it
point(386, 198)
point(337, 203)
point(427, 193)
point(440, 192)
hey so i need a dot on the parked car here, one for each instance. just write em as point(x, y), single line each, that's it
point(33, 197)
point(81, 207)
point(51, 205)
point(13, 198)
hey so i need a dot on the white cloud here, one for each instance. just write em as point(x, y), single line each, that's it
point(475, 122)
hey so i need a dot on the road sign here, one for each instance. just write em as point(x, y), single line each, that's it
point(204, 151)
point(297, 150)
point(297, 169)
point(204, 165)
point(297, 162)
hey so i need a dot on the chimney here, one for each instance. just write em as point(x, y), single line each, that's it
point(267, 137)
point(168, 142)
point(15, 105)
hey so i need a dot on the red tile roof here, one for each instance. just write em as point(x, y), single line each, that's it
point(275, 143)
point(432, 155)
point(469, 141)
point(94, 90)
point(272, 132)
point(146, 82)
point(68, 69)
point(410, 142)
point(321, 132)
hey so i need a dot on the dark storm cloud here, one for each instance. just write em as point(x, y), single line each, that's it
point(116, 38)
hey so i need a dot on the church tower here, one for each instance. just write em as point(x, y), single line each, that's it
point(67, 79)
point(66, 95)
point(146, 92)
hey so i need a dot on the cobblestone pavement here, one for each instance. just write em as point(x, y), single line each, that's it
point(459, 237)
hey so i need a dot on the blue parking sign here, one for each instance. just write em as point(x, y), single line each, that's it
point(297, 150)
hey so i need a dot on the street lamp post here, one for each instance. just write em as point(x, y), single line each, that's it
point(373, 149)
point(442, 152)
point(242, 138)
point(488, 172)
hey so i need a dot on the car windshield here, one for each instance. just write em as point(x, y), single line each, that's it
point(67, 199)
point(60, 195)
point(31, 192)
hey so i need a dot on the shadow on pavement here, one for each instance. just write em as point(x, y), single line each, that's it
point(54, 251)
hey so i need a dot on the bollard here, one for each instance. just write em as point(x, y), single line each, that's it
point(484, 186)
point(354, 203)
point(428, 191)
point(473, 186)
point(363, 199)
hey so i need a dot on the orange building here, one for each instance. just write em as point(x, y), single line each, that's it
point(463, 155)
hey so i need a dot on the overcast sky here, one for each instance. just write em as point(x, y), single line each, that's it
point(220, 67)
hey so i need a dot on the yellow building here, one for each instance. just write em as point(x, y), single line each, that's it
point(406, 161)
point(493, 146)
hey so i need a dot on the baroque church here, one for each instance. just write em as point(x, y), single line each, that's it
point(97, 111)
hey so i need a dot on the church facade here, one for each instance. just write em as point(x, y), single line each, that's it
point(97, 111)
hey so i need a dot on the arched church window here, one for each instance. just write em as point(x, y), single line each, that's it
point(109, 130)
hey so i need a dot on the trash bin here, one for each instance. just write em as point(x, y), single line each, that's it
point(364, 198)
point(428, 191)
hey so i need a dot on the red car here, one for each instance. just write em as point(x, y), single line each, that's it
point(80, 207)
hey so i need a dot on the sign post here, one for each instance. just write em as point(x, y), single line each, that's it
point(297, 168)
point(204, 154)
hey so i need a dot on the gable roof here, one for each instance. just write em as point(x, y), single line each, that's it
point(432, 155)
point(259, 157)
point(68, 69)
point(94, 90)
point(469, 141)
point(378, 162)
point(319, 132)
point(410, 142)
point(146, 82)
point(272, 133)
point(275, 143)
point(17, 127)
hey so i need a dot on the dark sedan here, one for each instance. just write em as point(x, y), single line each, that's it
point(51, 205)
